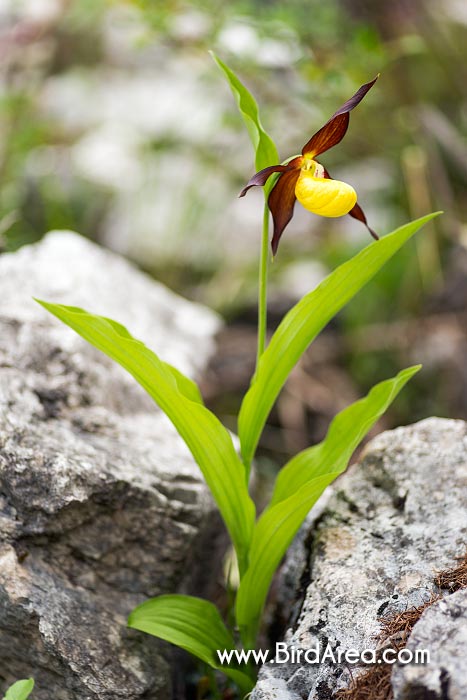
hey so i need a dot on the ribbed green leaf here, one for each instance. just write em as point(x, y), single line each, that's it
point(303, 323)
point(265, 148)
point(20, 690)
point(273, 534)
point(192, 624)
point(299, 485)
point(208, 440)
point(184, 384)
point(345, 433)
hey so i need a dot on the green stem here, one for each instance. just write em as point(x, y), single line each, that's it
point(249, 634)
point(263, 286)
point(213, 684)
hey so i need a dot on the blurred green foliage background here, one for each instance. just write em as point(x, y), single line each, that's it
point(116, 123)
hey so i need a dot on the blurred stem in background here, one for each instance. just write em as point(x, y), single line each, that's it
point(415, 169)
point(263, 285)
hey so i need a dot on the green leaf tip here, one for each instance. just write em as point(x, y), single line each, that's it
point(265, 149)
point(20, 690)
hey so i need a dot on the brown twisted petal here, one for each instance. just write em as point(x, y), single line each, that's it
point(334, 130)
point(281, 203)
point(356, 212)
point(262, 176)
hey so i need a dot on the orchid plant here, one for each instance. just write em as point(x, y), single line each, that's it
point(192, 623)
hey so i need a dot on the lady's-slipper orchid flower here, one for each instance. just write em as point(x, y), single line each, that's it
point(305, 179)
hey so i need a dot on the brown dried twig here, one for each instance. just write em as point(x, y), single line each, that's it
point(375, 682)
point(455, 578)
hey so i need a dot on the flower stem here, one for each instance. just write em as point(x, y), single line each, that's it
point(263, 286)
point(213, 683)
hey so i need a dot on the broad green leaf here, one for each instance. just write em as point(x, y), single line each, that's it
point(265, 148)
point(185, 385)
point(208, 440)
point(20, 690)
point(272, 536)
point(345, 433)
point(299, 485)
point(303, 323)
point(192, 624)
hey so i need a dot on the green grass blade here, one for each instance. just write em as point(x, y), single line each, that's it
point(20, 690)
point(303, 323)
point(265, 148)
point(345, 433)
point(192, 624)
point(208, 440)
point(299, 485)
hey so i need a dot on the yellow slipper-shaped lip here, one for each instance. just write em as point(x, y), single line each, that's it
point(323, 196)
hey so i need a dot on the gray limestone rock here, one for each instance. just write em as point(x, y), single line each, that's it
point(442, 631)
point(101, 504)
point(389, 523)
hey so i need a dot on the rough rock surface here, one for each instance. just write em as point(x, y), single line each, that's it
point(388, 524)
point(442, 630)
point(101, 505)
